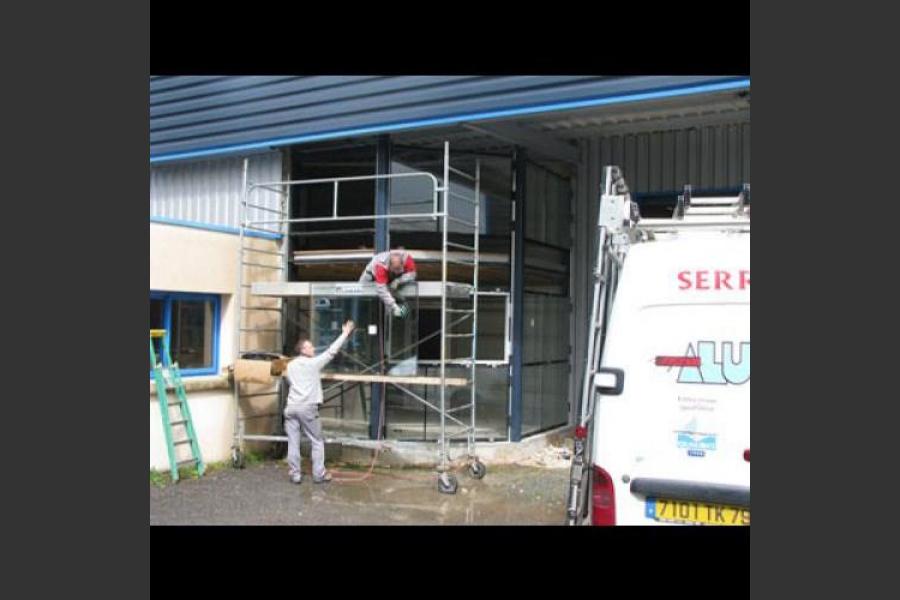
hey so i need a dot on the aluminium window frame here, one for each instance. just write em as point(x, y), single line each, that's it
point(168, 298)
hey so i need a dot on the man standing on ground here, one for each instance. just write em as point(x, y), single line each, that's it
point(302, 410)
point(390, 269)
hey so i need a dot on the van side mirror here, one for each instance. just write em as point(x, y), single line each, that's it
point(609, 382)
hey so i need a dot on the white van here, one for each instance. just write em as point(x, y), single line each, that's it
point(674, 445)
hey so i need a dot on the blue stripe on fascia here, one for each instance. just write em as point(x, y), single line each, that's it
point(216, 228)
point(656, 94)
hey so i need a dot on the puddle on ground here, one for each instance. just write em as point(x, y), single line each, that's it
point(263, 495)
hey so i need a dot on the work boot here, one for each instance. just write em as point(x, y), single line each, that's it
point(323, 479)
point(296, 478)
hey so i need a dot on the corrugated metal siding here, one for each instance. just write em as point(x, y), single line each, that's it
point(199, 113)
point(209, 191)
point(706, 157)
point(716, 156)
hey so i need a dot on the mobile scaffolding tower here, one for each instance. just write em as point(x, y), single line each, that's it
point(442, 199)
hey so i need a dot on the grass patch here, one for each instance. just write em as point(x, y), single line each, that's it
point(158, 479)
point(161, 479)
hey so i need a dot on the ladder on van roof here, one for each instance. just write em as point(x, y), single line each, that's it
point(619, 225)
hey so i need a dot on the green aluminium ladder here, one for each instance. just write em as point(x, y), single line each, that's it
point(160, 370)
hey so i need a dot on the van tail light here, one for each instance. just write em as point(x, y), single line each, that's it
point(603, 499)
point(580, 432)
point(747, 454)
point(677, 361)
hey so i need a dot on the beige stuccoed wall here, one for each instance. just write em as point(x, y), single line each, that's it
point(184, 259)
point(213, 417)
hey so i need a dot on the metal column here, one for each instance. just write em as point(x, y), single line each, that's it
point(518, 293)
point(382, 243)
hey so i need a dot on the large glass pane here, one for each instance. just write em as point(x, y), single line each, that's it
point(333, 304)
point(546, 309)
point(415, 195)
point(326, 161)
point(409, 419)
point(191, 337)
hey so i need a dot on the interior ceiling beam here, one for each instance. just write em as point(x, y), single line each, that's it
point(536, 142)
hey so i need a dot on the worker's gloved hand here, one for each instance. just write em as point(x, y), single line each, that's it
point(395, 284)
point(400, 311)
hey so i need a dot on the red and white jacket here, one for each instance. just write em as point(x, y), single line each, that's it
point(378, 270)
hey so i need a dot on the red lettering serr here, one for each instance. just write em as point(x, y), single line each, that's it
point(722, 278)
point(685, 278)
point(745, 279)
point(701, 280)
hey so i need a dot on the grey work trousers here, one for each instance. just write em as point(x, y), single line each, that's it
point(304, 417)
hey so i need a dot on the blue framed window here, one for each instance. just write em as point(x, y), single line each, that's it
point(191, 322)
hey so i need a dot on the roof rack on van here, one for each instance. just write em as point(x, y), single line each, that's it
point(706, 212)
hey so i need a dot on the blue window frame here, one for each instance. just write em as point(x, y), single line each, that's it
point(191, 322)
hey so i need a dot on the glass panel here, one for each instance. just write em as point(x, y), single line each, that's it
point(409, 419)
point(157, 321)
point(363, 349)
point(156, 314)
point(325, 161)
point(491, 328)
point(192, 333)
point(414, 195)
point(554, 395)
point(531, 399)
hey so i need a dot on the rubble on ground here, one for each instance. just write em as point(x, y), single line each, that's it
point(552, 457)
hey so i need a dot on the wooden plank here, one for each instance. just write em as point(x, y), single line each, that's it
point(413, 380)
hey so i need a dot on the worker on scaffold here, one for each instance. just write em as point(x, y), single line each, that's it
point(390, 271)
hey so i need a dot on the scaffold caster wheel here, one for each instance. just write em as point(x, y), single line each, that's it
point(447, 484)
point(237, 458)
point(477, 469)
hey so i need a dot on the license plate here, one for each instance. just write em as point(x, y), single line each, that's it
point(696, 513)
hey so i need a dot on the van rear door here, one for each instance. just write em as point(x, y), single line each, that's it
point(674, 443)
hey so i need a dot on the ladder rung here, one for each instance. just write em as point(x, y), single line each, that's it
point(248, 249)
point(265, 208)
point(710, 210)
point(461, 197)
point(459, 310)
point(249, 226)
point(458, 261)
point(180, 442)
point(463, 173)
point(714, 200)
point(178, 422)
point(186, 461)
point(462, 221)
point(262, 266)
point(462, 246)
point(174, 403)
point(455, 335)
point(263, 416)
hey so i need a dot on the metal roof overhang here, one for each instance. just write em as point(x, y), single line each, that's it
point(544, 128)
